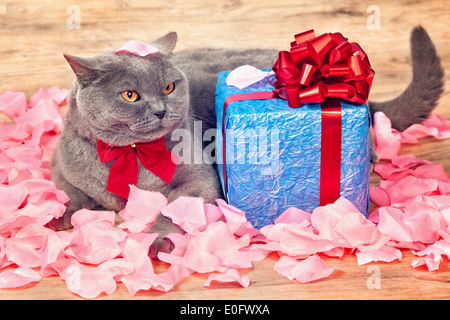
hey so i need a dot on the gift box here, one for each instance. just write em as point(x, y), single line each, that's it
point(275, 152)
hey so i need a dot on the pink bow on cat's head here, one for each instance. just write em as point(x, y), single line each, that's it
point(138, 48)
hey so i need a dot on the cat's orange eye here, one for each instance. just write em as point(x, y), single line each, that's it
point(169, 88)
point(131, 96)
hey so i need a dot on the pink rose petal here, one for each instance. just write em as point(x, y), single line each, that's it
point(231, 275)
point(166, 281)
point(304, 271)
point(293, 215)
point(56, 94)
point(187, 212)
point(297, 241)
point(431, 261)
point(386, 144)
point(25, 247)
point(204, 248)
point(233, 258)
point(440, 123)
point(95, 242)
point(11, 198)
point(407, 161)
point(441, 247)
point(384, 254)
point(139, 48)
point(212, 213)
point(53, 250)
point(258, 252)
point(142, 209)
point(415, 132)
point(245, 76)
point(18, 278)
point(135, 251)
point(431, 171)
point(88, 282)
point(324, 219)
point(13, 103)
point(436, 126)
point(379, 196)
point(392, 224)
point(410, 187)
point(85, 216)
point(359, 232)
point(424, 221)
point(234, 217)
point(45, 112)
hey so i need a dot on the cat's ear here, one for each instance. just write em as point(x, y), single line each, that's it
point(84, 68)
point(166, 43)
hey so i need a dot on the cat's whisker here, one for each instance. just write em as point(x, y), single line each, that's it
point(204, 119)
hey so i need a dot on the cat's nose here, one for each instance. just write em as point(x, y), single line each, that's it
point(160, 114)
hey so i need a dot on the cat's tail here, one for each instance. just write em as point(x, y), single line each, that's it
point(415, 104)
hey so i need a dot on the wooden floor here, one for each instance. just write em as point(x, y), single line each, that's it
point(35, 33)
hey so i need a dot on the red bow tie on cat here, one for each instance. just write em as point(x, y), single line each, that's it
point(125, 169)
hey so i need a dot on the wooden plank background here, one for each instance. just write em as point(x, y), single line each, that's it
point(35, 33)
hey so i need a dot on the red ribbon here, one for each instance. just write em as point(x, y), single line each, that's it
point(330, 151)
point(321, 67)
point(321, 70)
point(125, 169)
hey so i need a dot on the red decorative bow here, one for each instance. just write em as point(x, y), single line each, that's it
point(125, 169)
point(320, 67)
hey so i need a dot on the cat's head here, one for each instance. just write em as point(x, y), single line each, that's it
point(126, 98)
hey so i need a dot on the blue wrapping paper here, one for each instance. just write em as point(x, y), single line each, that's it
point(273, 153)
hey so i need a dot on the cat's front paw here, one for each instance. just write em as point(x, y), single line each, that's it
point(161, 244)
point(62, 223)
point(163, 226)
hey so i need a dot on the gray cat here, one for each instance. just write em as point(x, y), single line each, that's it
point(126, 99)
